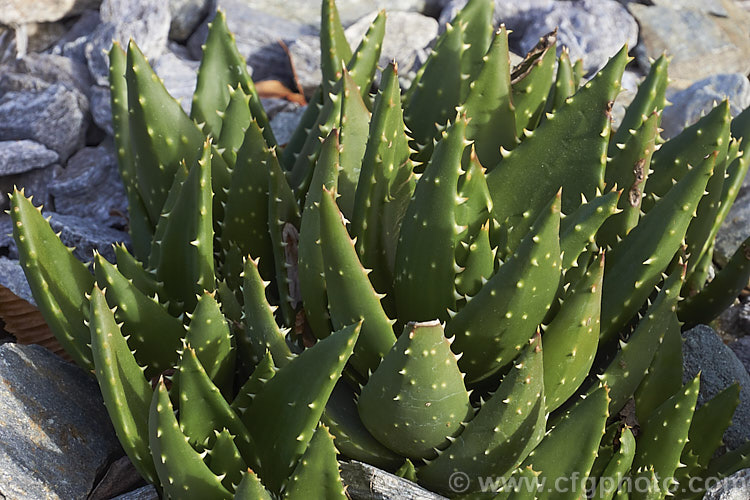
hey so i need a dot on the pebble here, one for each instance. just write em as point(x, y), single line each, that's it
point(144, 21)
point(21, 156)
point(55, 434)
point(179, 76)
point(73, 44)
point(101, 108)
point(13, 278)
point(699, 43)
point(579, 28)
point(734, 230)
point(186, 16)
point(87, 235)
point(90, 187)
point(52, 116)
point(307, 12)
point(257, 34)
point(17, 12)
point(703, 351)
point(741, 349)
point(690, 104)
point(285, 123)
point(734, 487)
point(408, 37)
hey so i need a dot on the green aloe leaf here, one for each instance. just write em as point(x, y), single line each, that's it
point(664, 435)
point(577, 164)
point(416, 398)
point(285, 413)
point(351, 297)
point(161, 135)
point(531, 84)
point(426, 251)
point(222, 67)
point(583, 424)
point(181, 469)
point(204, 410)
point(649, 99)
point(208, 333)
point(311, 268)
point(571, 339)
point(317, 471)
point(496, 322)
point(126, 392)
point(154, 335)
point(140, 226)
point(504, 431)
point(636, 264)
point(59, 282)
point(386, 184)
point(489, 105)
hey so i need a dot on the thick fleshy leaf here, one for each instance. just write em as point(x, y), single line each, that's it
point(416, 398)
point(126, 392)
point(222, 67)
point(59, 282)
point(181, 469)
point(495, 323)
point(285, 414)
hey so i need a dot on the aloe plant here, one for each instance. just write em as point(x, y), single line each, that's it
point(476, 276)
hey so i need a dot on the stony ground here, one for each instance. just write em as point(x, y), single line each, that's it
point(56, 141)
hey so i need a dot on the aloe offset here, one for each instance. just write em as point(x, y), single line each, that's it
point(477, 275)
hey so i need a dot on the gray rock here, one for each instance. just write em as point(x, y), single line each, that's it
point(13, 278)
point(144, 21)
point(630, 81)
point(257, 34)
point(121, 477)
point(55, 434)
point(307, 12)
point(284, 124)
point(305, 55)
point(142, 493)
point(7, 245)
point(89, 186)
point(52, 117)
point(73, 43)
point(34, 182)
point(516, 15)
point(741, 349)
point(36, 72)
point(186, 16)
point(408, 37)
point(8, 50)
point(275, 105)
point(734, 487)
point(86, 235)
point(703, 351)
point(101, 108)
point(690, 104)
point(21, 156)
point(700, 44)
point(713, 7)
point(580, 26)
point(734, 230)
point(16, 12)
point(41, 36)
point(179, 76)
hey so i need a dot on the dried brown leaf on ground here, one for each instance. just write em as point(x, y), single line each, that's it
point(274, 88)
point(24, 321)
